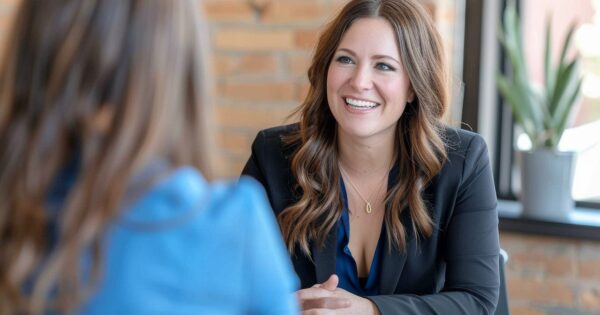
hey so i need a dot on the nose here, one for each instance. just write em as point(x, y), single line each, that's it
point(362, 79)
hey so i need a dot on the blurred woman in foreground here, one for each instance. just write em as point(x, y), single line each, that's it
point(102, 207)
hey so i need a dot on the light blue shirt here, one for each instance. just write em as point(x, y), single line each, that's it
point(190, 247)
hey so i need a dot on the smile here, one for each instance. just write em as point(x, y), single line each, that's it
point(360, 104)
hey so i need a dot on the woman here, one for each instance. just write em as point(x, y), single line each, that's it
point(428, 244)
point(102, 207)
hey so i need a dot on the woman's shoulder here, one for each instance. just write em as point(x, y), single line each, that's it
point(185, 192)
point(197, 239)
point(243, 199)
point(275, 146)
point(460, 141)
point(276, 137)
point(278, 131)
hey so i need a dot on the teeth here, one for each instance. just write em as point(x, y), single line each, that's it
point(359, 103)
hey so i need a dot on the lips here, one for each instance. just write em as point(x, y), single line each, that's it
point(360, 105)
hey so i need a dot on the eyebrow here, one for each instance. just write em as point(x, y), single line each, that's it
point(374, 57)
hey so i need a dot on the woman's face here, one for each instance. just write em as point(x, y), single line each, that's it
point(367, 87)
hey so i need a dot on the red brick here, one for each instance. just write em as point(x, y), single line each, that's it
point(224, 65)
point(257, 64)
point(227, 166)
point(590, 250)
point(560, 266)
point(526, 310)
point(533, 241)
point(244, 39)
point(290, 11)
point(542, 264)
point(589, 269)
point(234, 142)
point(335, 6)
point(306, 39)
point(228, 11)
point(258, 91)
point(253, 118)
point(298, 65)
point(251, 64)
point(540, 291)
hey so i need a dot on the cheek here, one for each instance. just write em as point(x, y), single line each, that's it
point(330, 88)
point(334, 78)
point(396, 91)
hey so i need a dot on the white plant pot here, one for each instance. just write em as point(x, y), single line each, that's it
point(546, 182)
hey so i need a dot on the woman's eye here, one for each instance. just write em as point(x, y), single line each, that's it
point(344, 60)
point(384, 67)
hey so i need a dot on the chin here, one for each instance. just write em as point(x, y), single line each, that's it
point(357, 131)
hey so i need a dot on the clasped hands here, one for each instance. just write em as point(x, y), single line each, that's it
point(326, 298)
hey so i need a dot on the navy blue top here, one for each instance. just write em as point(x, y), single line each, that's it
point(345, 265)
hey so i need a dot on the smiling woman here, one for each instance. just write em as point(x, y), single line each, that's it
point(428, 242)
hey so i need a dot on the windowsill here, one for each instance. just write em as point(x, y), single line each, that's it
point(583, 223)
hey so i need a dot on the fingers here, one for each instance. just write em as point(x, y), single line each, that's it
point(330, 303)
point(321, 298)
point(331, 283)
point(319, 312)
point(313, 293)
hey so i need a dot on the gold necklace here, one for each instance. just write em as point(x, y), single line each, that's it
point(368, 206)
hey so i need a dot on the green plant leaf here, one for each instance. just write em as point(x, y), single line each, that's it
point(516, 99)
point(548, 69)
point(570, 100)
point(567, 44)
point(566, 78)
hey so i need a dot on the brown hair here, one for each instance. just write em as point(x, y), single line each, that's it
point(113, 83)
point(419, 146)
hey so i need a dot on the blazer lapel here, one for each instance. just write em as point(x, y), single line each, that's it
point(393, 260)
point(324, 257)
point(391, 268)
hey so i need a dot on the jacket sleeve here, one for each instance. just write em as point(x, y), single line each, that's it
point(253, 167)
point(470, 248)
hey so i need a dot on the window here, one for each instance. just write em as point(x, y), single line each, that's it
point(583, 136)
point(484, 111)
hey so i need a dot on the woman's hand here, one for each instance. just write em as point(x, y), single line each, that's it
point(327, 298)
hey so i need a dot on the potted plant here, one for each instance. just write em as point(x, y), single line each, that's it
point(542, 113)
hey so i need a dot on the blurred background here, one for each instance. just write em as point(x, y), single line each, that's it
point(260, 53)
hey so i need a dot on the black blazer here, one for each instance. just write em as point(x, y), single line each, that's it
point(455, 271)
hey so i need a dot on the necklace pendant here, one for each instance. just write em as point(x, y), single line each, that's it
point(368, 208)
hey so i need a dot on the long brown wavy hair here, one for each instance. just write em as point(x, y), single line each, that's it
point(419, 145)
point(114, 83)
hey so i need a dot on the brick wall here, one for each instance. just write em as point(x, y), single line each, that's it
point(261, 49)
point(551, 276)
